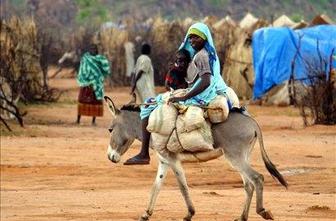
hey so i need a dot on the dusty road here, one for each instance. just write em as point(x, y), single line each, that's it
point(54, 169)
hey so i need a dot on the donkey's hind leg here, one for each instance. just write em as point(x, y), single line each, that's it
point(161, 174)
point(249, 188)
point(181, 179)
point(258, 182)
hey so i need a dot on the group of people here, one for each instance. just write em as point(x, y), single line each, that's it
point(196, 67)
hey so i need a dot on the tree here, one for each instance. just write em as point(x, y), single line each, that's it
point(91, 12)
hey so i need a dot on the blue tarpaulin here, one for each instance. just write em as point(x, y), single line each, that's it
point(274, 49)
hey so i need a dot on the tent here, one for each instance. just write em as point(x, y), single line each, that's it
point(300, 25)
point(283, 21)
point(321, 20)
point(237, 63)
point(224, 21)
point(248, 21)
point(274, 49)
point(210, 20)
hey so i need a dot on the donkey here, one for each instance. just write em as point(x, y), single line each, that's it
point(234, 138)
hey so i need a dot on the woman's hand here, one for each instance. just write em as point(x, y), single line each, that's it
point(176, 99)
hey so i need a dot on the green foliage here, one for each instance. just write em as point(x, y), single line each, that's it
point(91, 12)
point(297, 17)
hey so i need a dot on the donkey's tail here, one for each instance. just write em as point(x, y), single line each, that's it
point(269, 165)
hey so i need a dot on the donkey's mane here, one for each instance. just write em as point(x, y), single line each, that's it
point(131, 107)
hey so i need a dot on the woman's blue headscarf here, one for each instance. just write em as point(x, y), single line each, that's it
point(210, 48)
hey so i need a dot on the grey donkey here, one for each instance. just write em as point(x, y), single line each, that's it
point(233, 138)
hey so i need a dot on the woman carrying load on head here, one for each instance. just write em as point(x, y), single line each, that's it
point(92, 72)
point(203, 77)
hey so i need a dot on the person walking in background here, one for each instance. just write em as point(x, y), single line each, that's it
point(142, 81)
point(92, 72)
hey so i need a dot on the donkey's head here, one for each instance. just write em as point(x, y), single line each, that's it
point(125, 127)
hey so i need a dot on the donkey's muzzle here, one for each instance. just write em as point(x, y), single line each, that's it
point(113, 155)
point(112, 158)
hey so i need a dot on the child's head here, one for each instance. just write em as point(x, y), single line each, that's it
point(145, 49)
point(182, 59)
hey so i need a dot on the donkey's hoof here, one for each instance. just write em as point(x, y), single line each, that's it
point(240, 219)
point(187, 219)
point(266, 214)
point(144, 218)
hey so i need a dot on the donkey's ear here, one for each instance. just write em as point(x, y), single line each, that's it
point(133, 100)
point(111, 106)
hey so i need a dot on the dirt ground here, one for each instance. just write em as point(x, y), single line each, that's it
point(53, 169)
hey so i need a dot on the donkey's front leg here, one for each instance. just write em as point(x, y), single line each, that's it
point(180, 176)
point(161, 174)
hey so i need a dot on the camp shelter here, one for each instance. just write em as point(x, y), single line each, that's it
point(321, 19)
point(210, 20)
point(248, 21)
point(300, 25)
point(224, 21)
point(165, 37)
point(112, 41)
point(237, 63)
point(20, 53)
point(283, 21)
point(224, 35)
point(187, 22)
point(276, 49)
point(237, 69)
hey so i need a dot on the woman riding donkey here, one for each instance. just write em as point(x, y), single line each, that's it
point(203, 77)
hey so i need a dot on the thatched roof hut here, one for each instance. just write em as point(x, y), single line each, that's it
point(248, 21)
point(210, 20)
point(238, 70)
point(227, 20)
point(283, 21)
point(321, 20)
point(112, 42)
point(187, 22)
point(20, 54)
point(165, 38)
point(301, 24)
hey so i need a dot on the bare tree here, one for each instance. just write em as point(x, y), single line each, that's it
point(315, 95)
point(20, 68)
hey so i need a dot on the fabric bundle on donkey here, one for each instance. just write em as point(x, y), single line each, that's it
point(184, 128)
point(218, 109)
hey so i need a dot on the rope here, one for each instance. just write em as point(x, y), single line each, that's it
point(201, 106)
point(178, 139)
